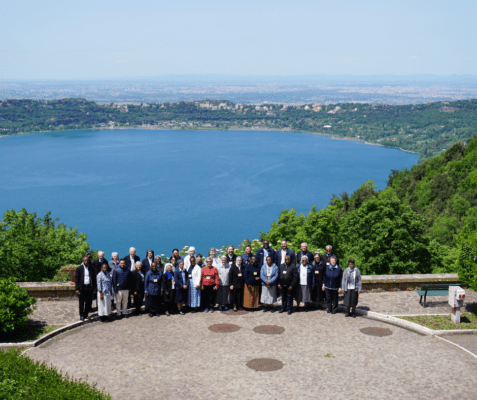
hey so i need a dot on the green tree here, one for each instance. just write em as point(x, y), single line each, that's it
point(385, 237)
point(33, 248)
point(467, 262)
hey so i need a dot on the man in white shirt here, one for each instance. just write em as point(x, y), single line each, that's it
point(283, 252)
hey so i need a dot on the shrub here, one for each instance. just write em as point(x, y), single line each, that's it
point(467, 263)
point(34, 248)
point(15, 306)
point(21, 378)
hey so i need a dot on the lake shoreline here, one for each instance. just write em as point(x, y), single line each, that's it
point(211, 129)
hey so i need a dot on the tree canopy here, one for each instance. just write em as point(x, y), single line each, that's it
point(33, 248)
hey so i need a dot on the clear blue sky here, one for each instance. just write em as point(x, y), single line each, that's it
point(82, 39)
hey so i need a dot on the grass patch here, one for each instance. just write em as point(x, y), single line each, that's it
point(443, 322)
point(28, 333)
point(21, 378)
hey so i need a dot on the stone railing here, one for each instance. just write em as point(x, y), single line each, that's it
point(391, 283)
point(371, 283)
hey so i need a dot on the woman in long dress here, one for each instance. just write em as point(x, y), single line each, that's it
point(194, 276)
point(351, 285)
point(252, 284)
point(168, 286)
point(306, 280)
point(105, 293)
point(236, 280)
point(319, 271)
point(269, 277)
point(223, 293)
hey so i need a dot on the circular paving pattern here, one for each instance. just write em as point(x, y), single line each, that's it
point(269, 329)
point(265, 364)
point(232, 312)
point(379, 332)
point(224, 328)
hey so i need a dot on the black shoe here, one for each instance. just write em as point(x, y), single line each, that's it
point(265, 309)
point(354, 315)
point(347, 314)
point(126, 315)
point(151, 315)
point(328, 311)
point(289, 312)
point(82, 319)
point(333, 312)
point(272, 310)
point(281, 311)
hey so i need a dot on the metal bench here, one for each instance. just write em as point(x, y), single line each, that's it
point(433, 289)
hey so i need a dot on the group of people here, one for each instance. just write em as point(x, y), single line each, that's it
point(229, 282)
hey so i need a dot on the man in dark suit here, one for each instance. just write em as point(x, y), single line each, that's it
point(99, 262)
point(147, 262)
point(304, 252)
point(264, 252)
point(247, 255)
point(327, 256)
point(131, 259)
point(85, 285)
point(283, 252)
point(231, 256)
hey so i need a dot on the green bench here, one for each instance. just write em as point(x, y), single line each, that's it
point(433, 289)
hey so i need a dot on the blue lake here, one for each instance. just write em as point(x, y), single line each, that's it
point(165, 189)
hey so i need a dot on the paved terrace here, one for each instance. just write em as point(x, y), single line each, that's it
point(324, 355)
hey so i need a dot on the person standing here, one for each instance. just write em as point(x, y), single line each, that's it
point(168, 289)
point(131, 259)
point(114, 263)
point(176, 254)
point(269, 277)
point(146, 262)
point(319, 271)
point(246, 256)
point(180, 278)
point(152, 289)
point(85, 285)
point(121, 285)
point(236, 280)
point(209, 284)
point(287, 283)
point(98, 264)
point(223, 292)
point(173, 262)
point(216, 262)
point(332, 284)
point(264, 252)
point(193, 295)
point(199, 261)
point(251, 294)
point(283, 252)
point(325, 258)
point(191, 252)
point(231, 256)
point(105, 292)
point(304, 252)
point(351, 285)
point(306, 281)
point(138, 277)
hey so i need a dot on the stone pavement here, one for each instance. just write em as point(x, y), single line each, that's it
point(389, 303)
point(325, 356)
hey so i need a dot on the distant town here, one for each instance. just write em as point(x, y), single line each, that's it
point(426, 129)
